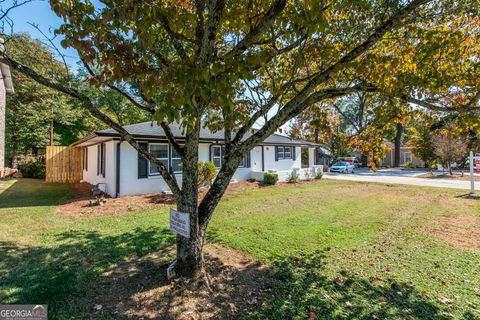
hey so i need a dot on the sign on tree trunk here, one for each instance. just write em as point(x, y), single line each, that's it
point(180, 223)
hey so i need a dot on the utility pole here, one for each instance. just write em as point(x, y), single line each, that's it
point(51, 124)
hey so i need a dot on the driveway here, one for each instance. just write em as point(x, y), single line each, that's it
point(397, 176)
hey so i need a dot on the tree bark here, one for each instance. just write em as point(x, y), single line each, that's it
point(189, 250)
point(398, 145)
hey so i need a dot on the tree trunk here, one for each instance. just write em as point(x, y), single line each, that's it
point(398, 145)
point(189, 250)
point(189, 253)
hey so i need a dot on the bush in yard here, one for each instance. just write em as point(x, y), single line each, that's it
point(319, 174)
point(308, 174)
point(293, 177)
point(408, 164)
point(33, 169)
point(270, 178)
point(206, 173)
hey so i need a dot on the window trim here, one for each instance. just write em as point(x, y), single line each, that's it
point(172, 150)
point(242, 165)
point(168, 157)
point(280, 150)
point(222, 151)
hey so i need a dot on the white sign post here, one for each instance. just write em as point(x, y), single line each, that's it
point(474, 168)
point(180, 223)
point(472, 177)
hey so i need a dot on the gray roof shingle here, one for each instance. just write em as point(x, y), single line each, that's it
point(152, 130)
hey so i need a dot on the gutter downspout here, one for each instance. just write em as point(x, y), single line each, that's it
point(263, 159)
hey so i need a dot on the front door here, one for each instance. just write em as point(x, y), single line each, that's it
point(305, 161)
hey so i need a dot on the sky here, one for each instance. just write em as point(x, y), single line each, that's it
point(39, 12)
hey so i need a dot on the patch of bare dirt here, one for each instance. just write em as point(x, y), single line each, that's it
point(459, 231)
point(79, 205)
point(138, 288)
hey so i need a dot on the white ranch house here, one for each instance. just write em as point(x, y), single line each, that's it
point(120, 170)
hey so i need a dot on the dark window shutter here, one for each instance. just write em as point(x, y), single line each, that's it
point(98, 159)
point(247, 160)
point(276, 153)
point(142, 162)
point(104, 158)
point(210, 153)
point(293, 153)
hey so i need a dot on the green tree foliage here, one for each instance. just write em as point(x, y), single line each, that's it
point(420, 134)
point(32, 107)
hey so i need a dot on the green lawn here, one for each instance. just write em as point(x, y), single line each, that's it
point(343, 250)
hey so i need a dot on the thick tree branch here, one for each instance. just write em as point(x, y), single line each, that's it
point(253, 119)
point(369, 43)
point(175, 37)
point(300, 99)
point(87, 104)
point(209, 34)
point(149, 109)
point(273, 12)
point(171, 138)
point(303, 99)
point(471, 106)
point(166, 128)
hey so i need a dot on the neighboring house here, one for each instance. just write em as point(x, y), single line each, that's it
point(120, 170)
point(323, 156)
point(6, 86)
point(406, 156)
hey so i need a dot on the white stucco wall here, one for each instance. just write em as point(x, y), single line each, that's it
point(280, 165)
point(130, 184)
point(91, 176)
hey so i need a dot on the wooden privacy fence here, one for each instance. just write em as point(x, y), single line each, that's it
point(64, 164)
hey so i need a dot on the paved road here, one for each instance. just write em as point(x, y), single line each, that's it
point(393, 176)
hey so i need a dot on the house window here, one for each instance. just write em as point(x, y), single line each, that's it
point(284, 153)
point(407, 157)
point(159, 151)
point(101, 160)
point(217, 155)
point(176, 161)
point(218, 152)
point(85, 158)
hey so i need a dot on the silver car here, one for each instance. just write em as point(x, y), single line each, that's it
point(343, 167)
